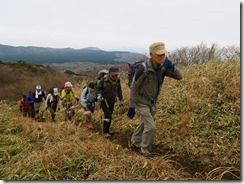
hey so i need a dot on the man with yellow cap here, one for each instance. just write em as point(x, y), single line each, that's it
point(145, 90)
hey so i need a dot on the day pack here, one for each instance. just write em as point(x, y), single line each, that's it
point(87, 89)
point(133, 67)
point(101, 74)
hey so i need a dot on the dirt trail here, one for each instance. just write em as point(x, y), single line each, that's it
point(193, 167)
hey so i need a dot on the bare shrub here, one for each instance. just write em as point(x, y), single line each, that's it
point(202, 53)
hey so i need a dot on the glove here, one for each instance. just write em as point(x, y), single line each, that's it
point(77, 99)
point(131, 112)
point(121, 103)
point(100, 98)
point(168, 64)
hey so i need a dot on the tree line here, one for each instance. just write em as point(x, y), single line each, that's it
point(201, 53)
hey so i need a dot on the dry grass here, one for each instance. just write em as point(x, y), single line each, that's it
point(197, 138)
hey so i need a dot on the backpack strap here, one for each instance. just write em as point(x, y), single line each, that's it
point(146, 73)
point(87, 90)
point(142, 71)
point(148, 101)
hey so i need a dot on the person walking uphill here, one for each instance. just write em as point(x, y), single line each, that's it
point(52, 102)
point(38, 96)
point(30, 101)
point(107, 91)
point(23, 106)
point(68, 95)
point(88, 99)
point(145, 89)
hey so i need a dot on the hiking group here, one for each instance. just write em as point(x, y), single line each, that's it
point(145, 81)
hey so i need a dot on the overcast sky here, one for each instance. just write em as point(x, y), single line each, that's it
point(130, 25)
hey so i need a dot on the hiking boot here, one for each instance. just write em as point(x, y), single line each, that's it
point(107, 135)
point(145, 152)
point(88, 124)
point(133, 144)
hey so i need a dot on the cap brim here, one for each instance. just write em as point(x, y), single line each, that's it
point(114, 73)
point(55, 94)
point(160, 52)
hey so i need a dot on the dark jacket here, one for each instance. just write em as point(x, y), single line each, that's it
point(39, 98)
point(109, 89)
point(30, 101)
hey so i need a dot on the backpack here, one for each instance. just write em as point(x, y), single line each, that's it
point(101, 74)
point(133, 67)
point(87, 89)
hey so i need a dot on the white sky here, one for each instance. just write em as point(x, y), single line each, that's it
point(130, 25)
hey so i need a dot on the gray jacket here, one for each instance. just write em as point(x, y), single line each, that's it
point(147, 83)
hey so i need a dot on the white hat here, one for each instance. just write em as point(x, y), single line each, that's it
point(55, 91)
point(38, 87)
point(68, 84)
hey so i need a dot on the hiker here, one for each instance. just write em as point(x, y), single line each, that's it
point(52, 102)
point(88, 99)
point(68, 95)
point(23, 106)
point(30, 101)
point(144, 93)
point(107, 90)
point(38, 96)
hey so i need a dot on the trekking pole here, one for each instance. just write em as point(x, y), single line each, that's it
point(105, 100)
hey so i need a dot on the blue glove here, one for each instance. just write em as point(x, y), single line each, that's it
point(131, 113)
point(168, 64)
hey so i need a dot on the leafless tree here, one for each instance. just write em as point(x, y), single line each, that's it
point(201, 53)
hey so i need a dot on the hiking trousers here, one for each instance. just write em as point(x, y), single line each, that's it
point(145, 132)
point(52, 110)
point(37, 106)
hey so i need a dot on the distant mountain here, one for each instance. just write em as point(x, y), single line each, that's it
point(43, 55)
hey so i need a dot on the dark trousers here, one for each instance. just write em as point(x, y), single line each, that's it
point(108, 109)
point(52, 110)
point(31, 112)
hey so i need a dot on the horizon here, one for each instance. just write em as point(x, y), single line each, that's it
point(119, 49)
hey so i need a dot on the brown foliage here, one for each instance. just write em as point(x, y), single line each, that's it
point(17, 79)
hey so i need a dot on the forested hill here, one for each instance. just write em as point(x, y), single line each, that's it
point(42, 55)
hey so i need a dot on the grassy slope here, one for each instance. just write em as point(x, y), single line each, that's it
point(198, 126)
